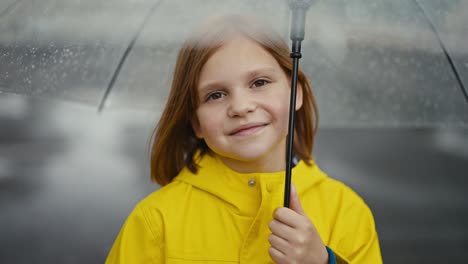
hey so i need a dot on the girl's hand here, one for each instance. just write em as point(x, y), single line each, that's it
point(294, 238)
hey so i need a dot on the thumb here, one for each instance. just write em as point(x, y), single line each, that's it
point(295, 203)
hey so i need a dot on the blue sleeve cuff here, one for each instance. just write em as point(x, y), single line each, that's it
point(331, 256)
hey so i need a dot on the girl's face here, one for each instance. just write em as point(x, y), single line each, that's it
point(244, 107)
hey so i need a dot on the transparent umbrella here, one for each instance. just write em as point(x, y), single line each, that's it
point(401, 63)
point(372, 63)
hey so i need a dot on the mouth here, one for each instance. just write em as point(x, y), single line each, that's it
point(247, 129)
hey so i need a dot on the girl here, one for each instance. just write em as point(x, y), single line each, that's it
point(219, 153)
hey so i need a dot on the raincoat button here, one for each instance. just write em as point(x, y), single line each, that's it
point(252, 182)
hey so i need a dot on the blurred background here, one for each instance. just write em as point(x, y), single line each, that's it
point(82, 84)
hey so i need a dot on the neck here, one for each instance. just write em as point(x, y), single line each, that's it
point(263, 164)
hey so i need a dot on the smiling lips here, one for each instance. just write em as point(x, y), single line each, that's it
point(247, 129)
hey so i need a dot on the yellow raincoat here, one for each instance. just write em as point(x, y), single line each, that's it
point(222, 216)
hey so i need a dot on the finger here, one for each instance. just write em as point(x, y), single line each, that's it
point(278, 243)
point(277, 255)
point(288, 217)
point(281, 230)
point(295, 202)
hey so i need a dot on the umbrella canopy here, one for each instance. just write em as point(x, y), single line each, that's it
point(371, 63)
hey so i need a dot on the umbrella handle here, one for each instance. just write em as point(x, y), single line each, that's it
point(298, 15)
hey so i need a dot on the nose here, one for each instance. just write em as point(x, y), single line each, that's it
point(240, 105)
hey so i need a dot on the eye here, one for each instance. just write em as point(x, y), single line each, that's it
point(260, 82)
point(214, 96)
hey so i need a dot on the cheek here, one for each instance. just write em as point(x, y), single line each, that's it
point(209, 120)
point(284, 116)
point(279, 105)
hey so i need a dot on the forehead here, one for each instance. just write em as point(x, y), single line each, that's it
point(236, 56)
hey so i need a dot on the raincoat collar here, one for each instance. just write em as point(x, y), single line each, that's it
point(244, 191)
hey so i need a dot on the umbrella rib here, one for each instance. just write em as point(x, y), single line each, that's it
point(444, 49)
point(9, 8)
point(125, 56)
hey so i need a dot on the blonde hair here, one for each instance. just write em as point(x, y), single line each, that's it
point(174, 143)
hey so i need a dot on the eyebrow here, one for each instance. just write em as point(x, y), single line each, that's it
point(211, 84)
point(260, 71)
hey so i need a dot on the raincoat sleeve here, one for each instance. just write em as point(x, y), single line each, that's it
point(358, 242)
point(140, 240)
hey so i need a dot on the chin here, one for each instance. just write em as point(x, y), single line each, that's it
point(255, 151)
point(250, 155)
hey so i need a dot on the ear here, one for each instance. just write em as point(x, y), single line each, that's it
point(299, 96)
point(196, 127)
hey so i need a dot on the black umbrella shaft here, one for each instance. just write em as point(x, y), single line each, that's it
point(298, 16)
point(295, 55)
